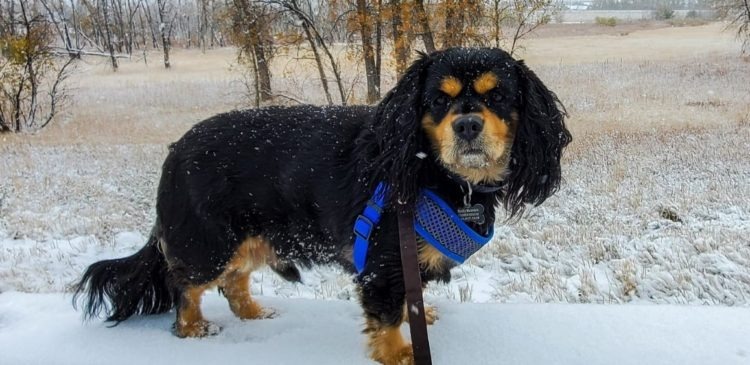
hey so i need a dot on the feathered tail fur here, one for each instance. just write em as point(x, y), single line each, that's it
point(120, 288)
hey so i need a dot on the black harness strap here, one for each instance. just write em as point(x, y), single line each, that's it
point(413, 284)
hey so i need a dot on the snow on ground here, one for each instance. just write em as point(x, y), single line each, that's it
point(44, 329)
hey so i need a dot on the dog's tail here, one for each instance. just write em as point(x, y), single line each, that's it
point(120, 288)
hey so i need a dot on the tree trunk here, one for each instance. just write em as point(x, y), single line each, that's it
point(365, 27)
point(400, 40)
point(424, 24)
point(189, 32)
point(150, 19)
point(131, 27)
point(250, 35)
point(318, 61)
point(143, 29)
point(453, 26)
point(256, 75)
point(203, 24)
point(262, 71)
point(378, 44)
point(76, 25)
point(11, 18)
point(316, 37)
point(165, 31)
point(108, 34)
point(121, 33)
point(496, 29)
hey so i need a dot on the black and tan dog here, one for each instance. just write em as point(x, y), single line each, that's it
point(282, 186)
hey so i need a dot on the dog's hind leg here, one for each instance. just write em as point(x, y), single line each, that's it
point(252, 254)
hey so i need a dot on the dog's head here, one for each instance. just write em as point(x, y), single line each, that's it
point(481, 115)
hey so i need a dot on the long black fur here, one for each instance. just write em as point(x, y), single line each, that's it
point(136, 284)
point(299, 176)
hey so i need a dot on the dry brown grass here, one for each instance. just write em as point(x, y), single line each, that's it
point(654, 77)
point(636, 46)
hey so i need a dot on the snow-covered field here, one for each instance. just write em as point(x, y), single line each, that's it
point(659, 217)
point(43, 329)
point(654, 209)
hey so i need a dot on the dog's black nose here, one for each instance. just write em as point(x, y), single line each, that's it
point(468, 127)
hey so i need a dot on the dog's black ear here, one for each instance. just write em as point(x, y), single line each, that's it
point(395, 129)
point(540, 138)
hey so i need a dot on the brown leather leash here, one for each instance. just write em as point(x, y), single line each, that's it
point(413, 284)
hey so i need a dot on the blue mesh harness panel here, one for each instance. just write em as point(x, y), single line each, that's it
point(441, 227)
point(434, 221)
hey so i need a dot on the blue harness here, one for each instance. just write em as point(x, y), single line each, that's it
point(434, 221)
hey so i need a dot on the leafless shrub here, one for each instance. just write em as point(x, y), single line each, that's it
point(706, 104)
point(465, 293)
point(625, 273)
point(31, 80)
point(588, 286)
point(669, 214)
point(737, 12)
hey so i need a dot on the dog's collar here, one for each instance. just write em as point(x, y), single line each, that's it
point(434, 221)
point(479, 188)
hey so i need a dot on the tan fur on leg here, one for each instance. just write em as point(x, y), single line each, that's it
point(190, 322)
point(387, 345)
point(430, 314)
point(237, 291)
point(253, 253)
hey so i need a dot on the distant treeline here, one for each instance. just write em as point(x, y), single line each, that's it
point(647, 4)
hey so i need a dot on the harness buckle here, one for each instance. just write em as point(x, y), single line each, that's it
point(363, 227)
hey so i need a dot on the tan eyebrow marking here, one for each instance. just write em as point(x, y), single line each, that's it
point(485, 82)
point(451, 86)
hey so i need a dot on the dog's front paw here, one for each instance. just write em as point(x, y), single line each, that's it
point(200, 328)
point(387, 346)
point(252, 310)
point(268, 313)
point(430, 314)
point(400, 356)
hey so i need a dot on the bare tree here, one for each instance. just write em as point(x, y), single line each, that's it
point(454, 18)
point(365, 24)
point(56, 13)
point(250, 31)
point(498, 15)
point(315, 39)
point(527, 16)
point(204, 26)
point(165, 28)
point(31, 81)
point(104, 5)
point(424, 25)
point(400, 33)
point(738, 14)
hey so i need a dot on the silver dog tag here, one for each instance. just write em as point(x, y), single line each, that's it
point(473, 214)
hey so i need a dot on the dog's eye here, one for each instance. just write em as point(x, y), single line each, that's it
point(441, 100)
point(496, 97)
